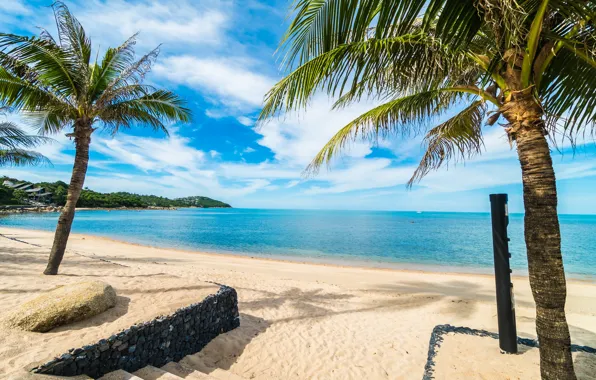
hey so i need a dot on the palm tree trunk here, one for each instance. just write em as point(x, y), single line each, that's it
point(82, 133)
point(543, 239)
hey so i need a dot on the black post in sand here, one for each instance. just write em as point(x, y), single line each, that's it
point(505, 303)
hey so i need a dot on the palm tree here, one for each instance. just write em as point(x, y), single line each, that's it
point(530, 63)
point(15, 146)
point(55, 82)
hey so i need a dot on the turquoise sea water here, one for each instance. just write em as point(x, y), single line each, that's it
point(453, 241)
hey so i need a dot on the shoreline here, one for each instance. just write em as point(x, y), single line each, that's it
point(353, 264)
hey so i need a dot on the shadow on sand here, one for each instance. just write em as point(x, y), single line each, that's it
point(223, 351)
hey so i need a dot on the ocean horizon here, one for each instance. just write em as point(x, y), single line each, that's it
point(435, 241)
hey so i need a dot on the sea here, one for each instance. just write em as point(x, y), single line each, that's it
point(443, 241)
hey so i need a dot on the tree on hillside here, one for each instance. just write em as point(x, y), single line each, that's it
point(529, 63)
point(56, 83)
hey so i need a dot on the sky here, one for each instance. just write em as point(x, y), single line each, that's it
point(220, 57)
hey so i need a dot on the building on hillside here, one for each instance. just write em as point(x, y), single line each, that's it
point(23, 186)
point(17, 186)
point(38, 194)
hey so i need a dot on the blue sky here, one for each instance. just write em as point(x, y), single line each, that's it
point(219, 56)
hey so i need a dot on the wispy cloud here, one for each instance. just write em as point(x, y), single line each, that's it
point(14, 6)
point(245, 121)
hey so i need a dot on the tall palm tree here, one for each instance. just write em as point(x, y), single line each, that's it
point(529, 63)
point(15, 146)
point(55, 82)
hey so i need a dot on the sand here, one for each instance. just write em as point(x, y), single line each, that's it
point(299, 321)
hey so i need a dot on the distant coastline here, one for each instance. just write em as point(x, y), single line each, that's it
point(22, 209)
point(18, 196)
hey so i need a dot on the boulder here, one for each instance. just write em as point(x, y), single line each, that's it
point(63, 305)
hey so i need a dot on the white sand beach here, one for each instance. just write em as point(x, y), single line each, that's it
point(298, 321)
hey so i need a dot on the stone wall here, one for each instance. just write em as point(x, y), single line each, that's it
point(157, 342)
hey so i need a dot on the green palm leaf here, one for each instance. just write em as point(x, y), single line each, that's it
point(569, 92)
point(395, 65)
point(21, 157)
point(13, 137)
point(152, 109)
point(56, 68)
point(458, 138)
point(403, 116)
point(13, 140)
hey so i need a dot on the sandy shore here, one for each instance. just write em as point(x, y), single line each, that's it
point(299, 321)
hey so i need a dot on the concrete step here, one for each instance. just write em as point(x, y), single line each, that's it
point(153, 373)
point(119, 375)
point(185, 372)
point(194, 362)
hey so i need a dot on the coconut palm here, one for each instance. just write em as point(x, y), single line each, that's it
point(529, 63)
point(56, 84)
point(15, 146)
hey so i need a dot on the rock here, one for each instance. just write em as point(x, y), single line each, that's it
point(63, 305)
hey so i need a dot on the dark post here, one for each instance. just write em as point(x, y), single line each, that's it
point(505, 304)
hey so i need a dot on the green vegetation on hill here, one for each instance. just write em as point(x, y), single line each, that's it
point(7, 196)
point(199, 201)
point(94, 199)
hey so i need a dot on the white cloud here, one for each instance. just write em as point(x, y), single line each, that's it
point(230, 79)
point(245, 121)
point(215, 114)
point(296, 139)
point(149, 153)
point(158, 21)
point(291, 184)
point(249, 150)
point(362, 175)
point(254, 171)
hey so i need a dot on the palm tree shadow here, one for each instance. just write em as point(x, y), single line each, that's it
point(316, 304)
point(223, 351)
point(309, 302)
point(459, 292)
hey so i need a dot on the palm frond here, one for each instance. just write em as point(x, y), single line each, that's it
point(115, 61)
point(404, 64)
point(125, 116)
point(404, 116)
point(21, 157)
point(153, 109)
point(456, 21)
point(459, 138)
point(24, 94)
point(568, 90)
point(128, 92)
point(55, 68)
point(320, 26)
point(47, 122)
point(132, 73)
point(71, 35)
point(13, 137)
